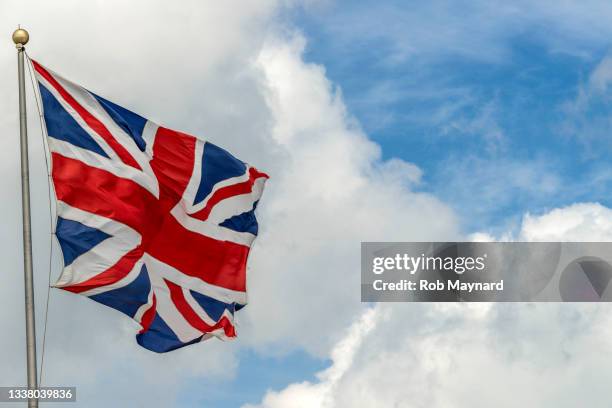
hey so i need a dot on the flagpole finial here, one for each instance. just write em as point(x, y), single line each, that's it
point(20, 37)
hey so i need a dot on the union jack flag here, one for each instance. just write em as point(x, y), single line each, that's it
point(152, 222)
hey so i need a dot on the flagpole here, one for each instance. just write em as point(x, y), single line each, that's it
point(20, 38)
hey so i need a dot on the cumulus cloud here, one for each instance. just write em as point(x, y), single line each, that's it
point(590, 222)
point(242, 84)
point(232, 74)
point(468, 355)
point(321, 394)
point(334, 192)
point(167, 62)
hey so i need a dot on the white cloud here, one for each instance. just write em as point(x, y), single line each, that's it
point(332, 193)
point(483, 188)
point(578, 222)
point(169, 62)
point(469, 355)
point(228, 73)
point(601, 76)
point(321, 394)
point(584, 118)
point(476, 30)
point(483, 125)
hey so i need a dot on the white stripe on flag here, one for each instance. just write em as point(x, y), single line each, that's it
point(102, 256)
point(169, 313)
point(238, 204)
point(100, 162)
point(156, 267)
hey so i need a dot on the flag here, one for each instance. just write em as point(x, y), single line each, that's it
point(151, 221)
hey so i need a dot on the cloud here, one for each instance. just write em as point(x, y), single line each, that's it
point(166, 62)
point(467, 355)
point(474, 30)
point(242, 84)
point(586, 117)
point(320, 394)
point(334, 192)
point(577, 222)
point(484, 125)
point(486, 190)
point(601, 76)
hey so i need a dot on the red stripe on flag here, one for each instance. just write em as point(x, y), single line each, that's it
point(102, 193)
point(229, 191)
point(90, 119)
point(220, 263)
point(178, 298)
point(173, 158)
point(148, 316)
point(112, 275)
point(216, 262)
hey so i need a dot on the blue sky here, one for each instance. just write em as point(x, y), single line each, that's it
point(497, 124)
point(503, 106)
point(473, 113)
point(256, 374)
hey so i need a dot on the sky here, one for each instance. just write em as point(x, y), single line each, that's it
point(377, 121)
point(511, 97)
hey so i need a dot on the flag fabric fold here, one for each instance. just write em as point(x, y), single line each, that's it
point(151, 221)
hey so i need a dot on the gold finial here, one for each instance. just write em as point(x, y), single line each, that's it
point(20, 37)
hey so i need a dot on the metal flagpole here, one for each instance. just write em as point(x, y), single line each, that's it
point(20, 38)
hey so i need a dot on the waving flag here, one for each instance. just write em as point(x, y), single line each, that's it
point(152, 222)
